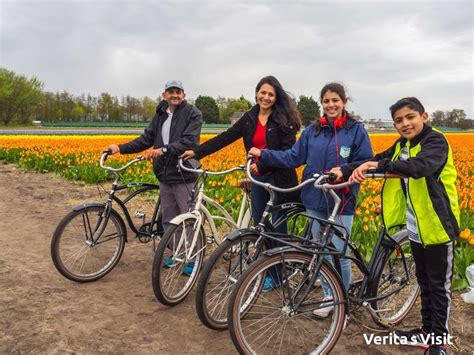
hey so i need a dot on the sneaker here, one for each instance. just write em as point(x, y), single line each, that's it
point(188, 269)
point(269, 284)
point(436, 350)
point(414, 337)
point(324, 312)
point(168, 262)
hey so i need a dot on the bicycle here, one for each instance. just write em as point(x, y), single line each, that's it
point(283, 320)
point(89, 241)
point(238, 250)
point(180, 255)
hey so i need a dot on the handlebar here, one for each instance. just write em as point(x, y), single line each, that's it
point(207, 172)
point(106, 154)
point(319, 180)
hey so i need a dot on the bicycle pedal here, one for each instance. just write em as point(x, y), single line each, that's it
point(139, 214)
point(143, 239)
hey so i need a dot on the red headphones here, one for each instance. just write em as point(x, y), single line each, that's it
point(338, 122)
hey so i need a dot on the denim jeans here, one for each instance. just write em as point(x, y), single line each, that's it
point(346, 221)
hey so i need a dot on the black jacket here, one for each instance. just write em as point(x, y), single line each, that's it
point(277, 137)
point(184, 135)
point(431, 175)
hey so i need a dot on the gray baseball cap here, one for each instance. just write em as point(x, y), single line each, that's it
point(174, 84)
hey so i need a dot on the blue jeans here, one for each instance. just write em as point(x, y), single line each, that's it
point(260, 197)
point(346, 221)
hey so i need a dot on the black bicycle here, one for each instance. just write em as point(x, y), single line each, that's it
point(238, 250)
point(89, 241)
point(287, 318)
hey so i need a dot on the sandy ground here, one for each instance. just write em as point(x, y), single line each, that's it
point(42, 312)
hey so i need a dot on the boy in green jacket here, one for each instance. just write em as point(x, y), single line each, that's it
point(427, 202)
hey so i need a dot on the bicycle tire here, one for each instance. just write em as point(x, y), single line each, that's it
point(218, 277)
point(165, 278)
point(271, 312)
point(393, 309)
point(75, 256)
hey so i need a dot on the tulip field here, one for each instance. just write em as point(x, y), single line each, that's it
point(76, 158)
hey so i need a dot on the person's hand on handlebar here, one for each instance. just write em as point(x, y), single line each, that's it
point(113, 148)
point(338, 172)
point(188, 154)
point(255, 152)
point(358, 174)
point(254, 168)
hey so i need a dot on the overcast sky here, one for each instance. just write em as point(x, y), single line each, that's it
point(381, 51)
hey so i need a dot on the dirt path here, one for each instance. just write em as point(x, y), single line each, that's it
point(41, 312)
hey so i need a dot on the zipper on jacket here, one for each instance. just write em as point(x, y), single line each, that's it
point(411, 203)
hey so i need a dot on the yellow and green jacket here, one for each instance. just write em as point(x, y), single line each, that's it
point(431, 189)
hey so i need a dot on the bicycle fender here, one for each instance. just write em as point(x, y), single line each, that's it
point(182, 217)
point(240, 233)
point(101, 204)
point(397, 237)
point(283, 249)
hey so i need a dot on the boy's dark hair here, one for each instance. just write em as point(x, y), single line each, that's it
point(410, 102)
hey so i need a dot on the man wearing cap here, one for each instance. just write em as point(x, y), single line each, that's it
point(176, 127)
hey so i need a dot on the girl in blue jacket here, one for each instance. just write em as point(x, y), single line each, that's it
point(332, 141)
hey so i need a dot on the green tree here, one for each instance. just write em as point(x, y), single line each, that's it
point(66, 105)
point(455, 117)
point(108, 108)
point(438, 118)
point(209, 109)
point(132, 108)
point(19, 97)
point(233, 105)
point(309, 109)
point(149, 108)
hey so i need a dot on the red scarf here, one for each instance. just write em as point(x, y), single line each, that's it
point(338, 122)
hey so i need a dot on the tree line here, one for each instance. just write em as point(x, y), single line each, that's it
point(455, 118)
point(23, 100)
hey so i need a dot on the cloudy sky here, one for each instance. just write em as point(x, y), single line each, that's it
point(380, 50)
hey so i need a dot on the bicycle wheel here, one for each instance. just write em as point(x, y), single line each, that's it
point(218, 277)
point(176, 267)
point(392, 309)
point(272, 322)
point(74, 252)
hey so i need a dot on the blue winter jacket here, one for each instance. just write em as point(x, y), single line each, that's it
point(321, 151)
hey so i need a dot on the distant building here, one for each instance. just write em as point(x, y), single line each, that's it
point(235, 117)
point(374, 123)
point(383, 124)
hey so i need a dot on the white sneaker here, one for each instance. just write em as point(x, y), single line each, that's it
point(324, 312)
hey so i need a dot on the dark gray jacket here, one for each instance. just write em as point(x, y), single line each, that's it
point(184, 135)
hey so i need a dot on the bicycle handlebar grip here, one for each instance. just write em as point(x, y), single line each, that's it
point(331, 176)
point(393, 176)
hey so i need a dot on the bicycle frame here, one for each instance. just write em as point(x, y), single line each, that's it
point(201, 213)
point(328, 228)
point(122, 203)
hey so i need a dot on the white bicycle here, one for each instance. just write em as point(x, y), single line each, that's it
point(180, 254)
